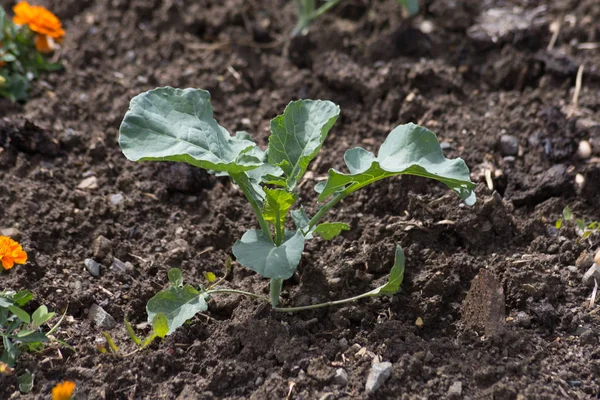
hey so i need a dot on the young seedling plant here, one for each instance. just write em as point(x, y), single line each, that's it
point(167, 124)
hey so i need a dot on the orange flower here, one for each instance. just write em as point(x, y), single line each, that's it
point(38, 19)
point(42, 44)
point(11, 253)
point(63, 391)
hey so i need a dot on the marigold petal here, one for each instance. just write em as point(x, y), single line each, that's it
point(20, 257)
point(7, 262)
point(41, 44)
point(63, 391)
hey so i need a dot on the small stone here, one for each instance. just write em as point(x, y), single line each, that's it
point(129, 267)
point(523, 319)
point(92, 266)
point(341, 377)
point(101, 247)
point(179, 250)
point(509, 145)
point(118, 266)
point(593, 272)
point(584, 151)
point(89, 183)
point(379, 373)
point(419, 322)
point(12, 233)
point(588, 337)
point(455, 390)
point(259, 381)
point(101, 318)
point(343, 342)
point(116, 199)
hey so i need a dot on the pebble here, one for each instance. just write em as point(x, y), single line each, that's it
point(90, 183)
point(341, 377)
point(118, 266)
point(509, 145)
point(379, 373)
point(92, 266)
point(259, 381)
point(455, 390)
point(585, 260)
point(101, 318)
point(523, 319)
point(116, 199)
point(593, 272)
point(12, 233)
point(101, 247)
point(343, 342)
point(584, 151)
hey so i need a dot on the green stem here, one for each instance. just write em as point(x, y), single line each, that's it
point(240, 180)
point(317, 217)
point(275, 291)
point(321, 305)
point(241, 292)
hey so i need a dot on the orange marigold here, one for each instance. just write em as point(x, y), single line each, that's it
point(63, 391)
point(11, 253)
point(38, 19)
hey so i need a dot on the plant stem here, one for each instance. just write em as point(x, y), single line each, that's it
point(321, 305)
point(275, 290)
point(317, 217)
point(241, 292)
point(240, 180)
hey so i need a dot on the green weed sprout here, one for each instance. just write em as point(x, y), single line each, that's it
point(167, 124)
point(308, 11)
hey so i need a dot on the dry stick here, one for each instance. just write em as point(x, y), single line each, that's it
point(577, 90)
point(555, 34)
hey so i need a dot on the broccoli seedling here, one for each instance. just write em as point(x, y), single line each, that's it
point(167, 124)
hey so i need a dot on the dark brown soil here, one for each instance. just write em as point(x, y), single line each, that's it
point(440, 70)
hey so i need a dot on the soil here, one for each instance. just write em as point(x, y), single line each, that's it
point(465, 72)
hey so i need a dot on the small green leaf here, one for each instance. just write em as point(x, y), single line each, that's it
point(111, 343)
point(20, 313)
point(26, 382)
point(178, 305)
point(329, 230)
point(581, 225)
point(167, 124)
point(408, 149)
point(41, 316)
point(277, 204)
point(175, 277)
point(11, 352)
point(396, 276)
point(567, 214)
point(160, 325)
point(255, 251)
point(210, 277)
point(559, 223)
point(34, 337)
point(298, 134)
point(131, 333)
point(22, 297)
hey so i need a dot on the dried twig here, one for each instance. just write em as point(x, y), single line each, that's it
point(577, 90)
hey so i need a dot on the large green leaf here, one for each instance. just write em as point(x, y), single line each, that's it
point(255, 251)
point(277, 204)
point(167, 124)
point(408, 149)
point(178, 304)
point(298, 134)
point(396, 276)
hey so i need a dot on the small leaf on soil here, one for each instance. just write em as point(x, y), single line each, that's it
point(329, 230)
point(160, 325)
point(255, 251)
point(396, 276)
point(26, 382)
point(178, 304)
point(175, 277)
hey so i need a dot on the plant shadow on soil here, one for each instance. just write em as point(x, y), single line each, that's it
point(442, 71)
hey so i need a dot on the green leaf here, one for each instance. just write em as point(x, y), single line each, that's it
point(255, 251)
point(329, 230)
point(22, 297)
point(41, 316)
point(178, 305)
point(20, 313)
point(35, 337)
point(558, 223)
point(5, 302)
point(210, 277)
point(167, 124)
point(396, 276)
point(160, 325)
point(567, 214)
point(277, 204)
point(132, 334)
point(175, 277)
point(11, 352)
point(111, 343)
point(408, 149)
point(298, 134)
point(26, 382)
point(580, 224)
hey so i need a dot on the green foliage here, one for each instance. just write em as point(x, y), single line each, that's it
point(309, 11)
point(19, 330)
point(584, 229)
point(21, 61)
point(178, 125)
